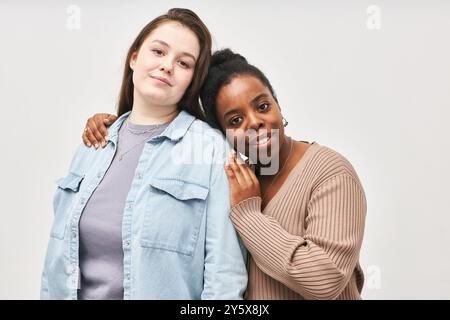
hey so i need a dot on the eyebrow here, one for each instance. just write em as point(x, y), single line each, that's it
point(255, 99)
point(167, 45)
point(259, 96)
point(230, 112)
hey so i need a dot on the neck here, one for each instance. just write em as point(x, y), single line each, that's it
point(151, 114)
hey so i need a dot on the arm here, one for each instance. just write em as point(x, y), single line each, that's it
point(225, 274)
point(95, 133)
point(319, 264)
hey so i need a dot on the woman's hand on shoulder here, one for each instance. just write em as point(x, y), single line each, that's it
point(96, 133)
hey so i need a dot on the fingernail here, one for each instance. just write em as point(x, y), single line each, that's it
point(106, 138)
point(89, 145)
point(96, 146)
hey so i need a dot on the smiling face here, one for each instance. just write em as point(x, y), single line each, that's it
point(164, 65)
point(250, 116)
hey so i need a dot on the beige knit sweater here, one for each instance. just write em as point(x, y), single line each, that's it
point(305, 243)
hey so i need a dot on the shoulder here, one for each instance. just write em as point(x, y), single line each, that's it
point(203, 135)
point(201, 128)
point(202, 147)
point(86, 158)
point(328, 163)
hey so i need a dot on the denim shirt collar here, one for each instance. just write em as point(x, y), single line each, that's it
point(174, 131)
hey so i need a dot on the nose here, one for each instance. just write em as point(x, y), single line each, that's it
point(255, 122)
point(166, 66)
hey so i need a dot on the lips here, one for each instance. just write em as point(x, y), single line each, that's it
point(260, 140)
point(162, 79)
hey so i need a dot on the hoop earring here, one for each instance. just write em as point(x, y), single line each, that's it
point(285, 122)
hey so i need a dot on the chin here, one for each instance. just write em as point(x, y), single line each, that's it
point(157, 98)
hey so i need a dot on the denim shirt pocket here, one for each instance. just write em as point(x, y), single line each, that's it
point(173, 215)
point(62, 202)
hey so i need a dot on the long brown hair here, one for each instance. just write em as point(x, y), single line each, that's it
point(190, 100)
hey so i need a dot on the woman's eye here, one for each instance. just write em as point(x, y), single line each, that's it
point(158, 52)
point(184, 64)
point(263, 106)
point(235, 121)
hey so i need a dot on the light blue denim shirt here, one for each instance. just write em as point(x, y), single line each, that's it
point(177, 237)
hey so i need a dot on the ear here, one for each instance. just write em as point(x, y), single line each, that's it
point(133, 60)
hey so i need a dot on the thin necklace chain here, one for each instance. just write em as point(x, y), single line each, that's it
point(139, 132)
point(140, 142)
point(281, 169)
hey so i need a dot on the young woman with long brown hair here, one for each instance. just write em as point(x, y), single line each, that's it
point(136, 219)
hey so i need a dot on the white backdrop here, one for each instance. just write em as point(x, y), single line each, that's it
point(370, 79)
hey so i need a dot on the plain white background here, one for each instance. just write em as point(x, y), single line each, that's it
point(370, 79)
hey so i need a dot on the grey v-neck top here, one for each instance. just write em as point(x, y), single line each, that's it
point(101, 253)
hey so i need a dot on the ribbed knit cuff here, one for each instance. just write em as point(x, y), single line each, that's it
point(245, 207)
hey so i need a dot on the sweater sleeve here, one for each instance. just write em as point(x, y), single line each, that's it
point(319, 264)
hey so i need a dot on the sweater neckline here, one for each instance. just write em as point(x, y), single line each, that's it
point(297, 167)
